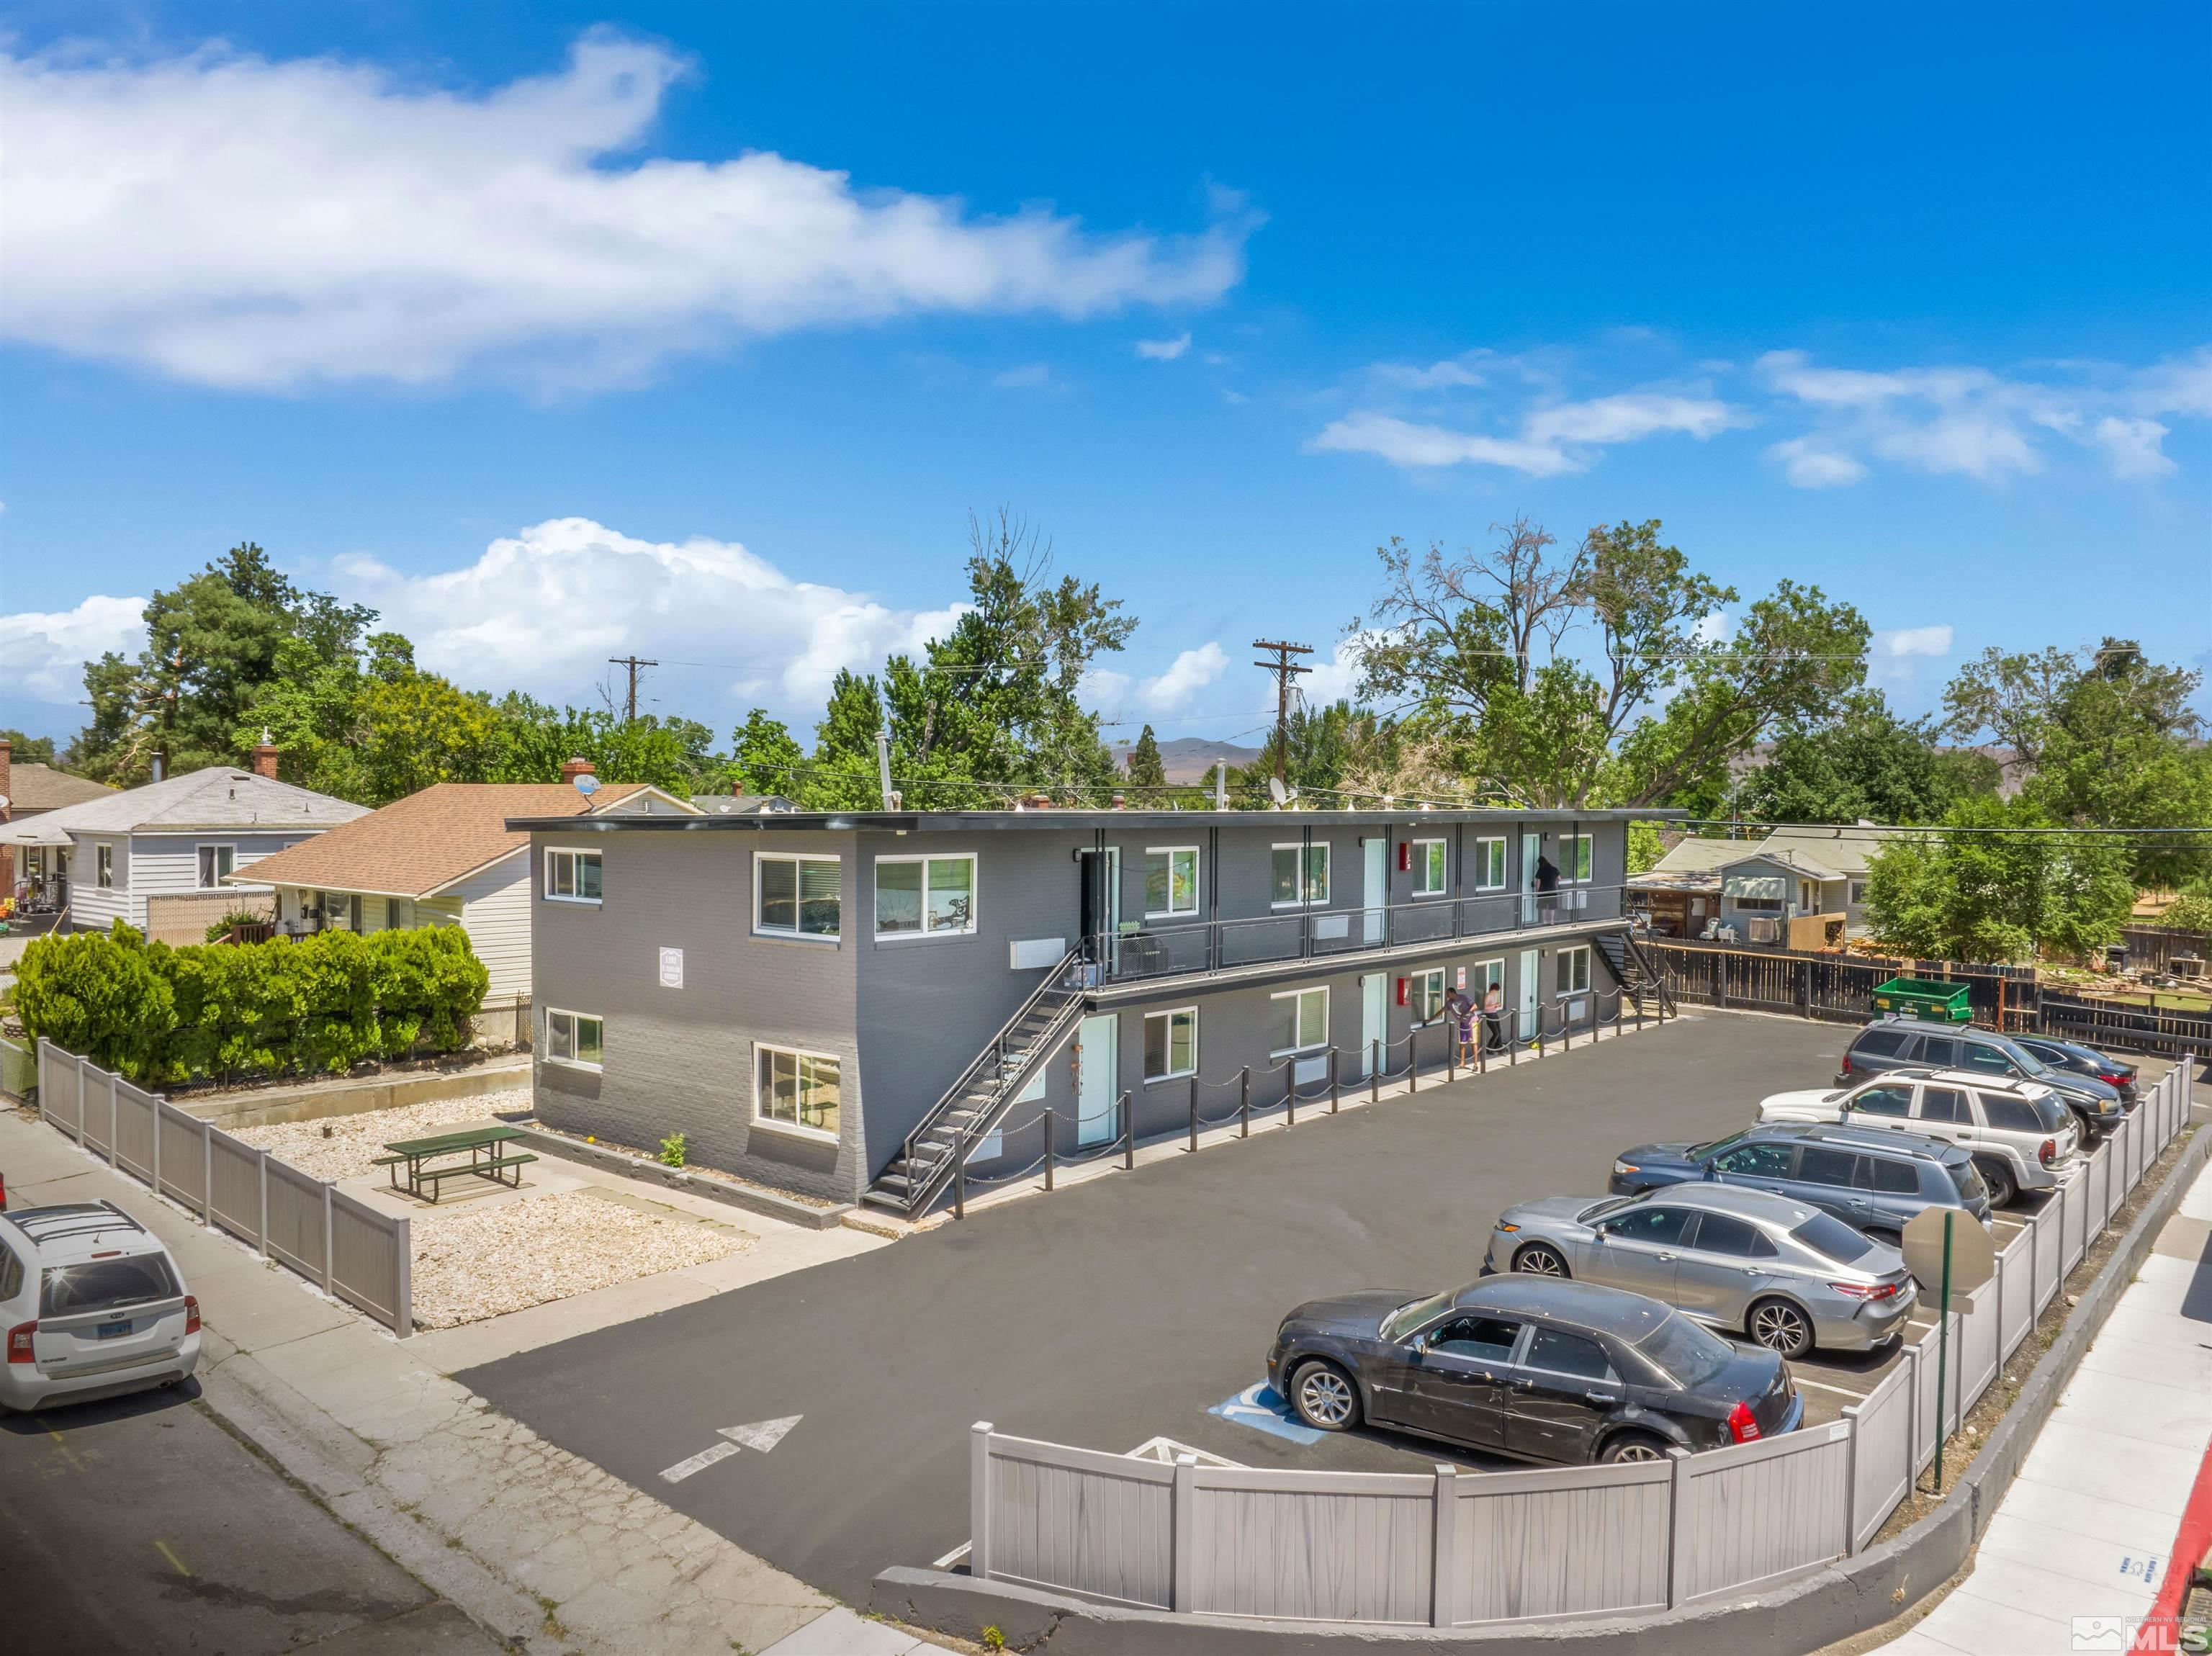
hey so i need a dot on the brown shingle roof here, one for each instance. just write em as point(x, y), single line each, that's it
point(34, 787)
point(419, 844)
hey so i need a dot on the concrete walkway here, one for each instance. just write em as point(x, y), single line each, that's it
point(542, 1547)
point(2082, 1544)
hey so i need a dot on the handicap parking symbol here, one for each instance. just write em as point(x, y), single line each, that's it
point(1263, 1408)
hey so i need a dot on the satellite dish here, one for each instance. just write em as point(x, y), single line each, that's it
point(1275, 791)
point(587, 785)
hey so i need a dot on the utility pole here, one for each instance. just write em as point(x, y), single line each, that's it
point(633, 662)
point(1285, 670)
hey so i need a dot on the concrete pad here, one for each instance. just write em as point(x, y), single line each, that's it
point(2198, 1204)
point(1984, 1626)
point(2086, 1518)
point(2111, 1467)
point(841, 1632)
point(2100, 1566)
point(2166, 1364)
point(2184, 1238)
point(1917, 1643)
point(2141, 1411)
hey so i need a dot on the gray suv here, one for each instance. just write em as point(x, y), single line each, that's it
point(1902, 1044)
point(1873, 1178)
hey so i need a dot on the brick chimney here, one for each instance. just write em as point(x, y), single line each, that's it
point(265, 758)
point(576, 767)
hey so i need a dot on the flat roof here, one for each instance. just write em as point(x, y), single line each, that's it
point(969, 822)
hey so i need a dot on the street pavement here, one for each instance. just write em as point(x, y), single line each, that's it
point(1110, 1313)
point(141, 1524)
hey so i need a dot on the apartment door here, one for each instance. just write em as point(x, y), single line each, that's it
point(1531, 991)
point(1375, 891)
point(1102, 903)
point(1373, 1003)
point(1098, 1067)
point(1532, 852)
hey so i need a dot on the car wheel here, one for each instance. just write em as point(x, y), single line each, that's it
point(1998, 1177)
point(1633, 1446)
point(1781, 1327)
point(1325, 1398)
point(1540, 1259)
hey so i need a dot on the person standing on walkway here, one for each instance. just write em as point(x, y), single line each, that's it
point(1493, 1018)
point(1461, 1011)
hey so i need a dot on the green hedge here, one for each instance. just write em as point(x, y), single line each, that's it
point(319, 1005)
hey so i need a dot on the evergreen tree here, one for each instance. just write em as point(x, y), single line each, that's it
point(1146, 769)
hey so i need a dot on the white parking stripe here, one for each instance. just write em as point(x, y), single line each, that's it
point(1840, 1390)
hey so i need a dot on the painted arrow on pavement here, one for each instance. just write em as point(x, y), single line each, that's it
point(761, 1434)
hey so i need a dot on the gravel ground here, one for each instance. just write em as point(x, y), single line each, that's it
point(473, 1264)
point(476, 1261)
point(357, 1140)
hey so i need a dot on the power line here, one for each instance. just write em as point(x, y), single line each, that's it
point(1285, 670)
point(633, 662)
point(1838, 830)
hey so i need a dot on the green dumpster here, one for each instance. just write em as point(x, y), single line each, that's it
point(1924, 998)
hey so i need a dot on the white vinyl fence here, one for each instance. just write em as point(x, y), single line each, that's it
point(1456, 1549)
point(345, 1248)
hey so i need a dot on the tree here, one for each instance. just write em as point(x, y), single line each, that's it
point(1993, 896)
point(764, 758)
point(1146, 769)
point(1863, 764)
point(29, 749)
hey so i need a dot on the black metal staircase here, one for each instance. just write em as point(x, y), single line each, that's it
point(975, 1103)
point(1635, 972)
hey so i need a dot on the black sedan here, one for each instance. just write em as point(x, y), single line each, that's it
point(2072, 1058)
point(1533, 1368)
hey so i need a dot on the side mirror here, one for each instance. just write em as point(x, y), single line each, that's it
point(1710, 1171)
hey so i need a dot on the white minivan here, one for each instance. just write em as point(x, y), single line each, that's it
point(91, 1304)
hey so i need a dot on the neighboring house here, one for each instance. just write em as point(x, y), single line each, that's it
point(1759, 887)
point(29, 790)
point(162, 858)
point(446, 856)
point(800, 993)
point(742, 804)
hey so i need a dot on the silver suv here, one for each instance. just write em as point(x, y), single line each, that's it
point(2022, 1135)
point(91, 1305)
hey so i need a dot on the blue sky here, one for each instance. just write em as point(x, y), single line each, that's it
point(558, 332)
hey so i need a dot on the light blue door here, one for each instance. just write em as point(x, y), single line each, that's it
point(1372, 1004)
point(1098, 1060)
point(1531, 986)
point(1374, 890)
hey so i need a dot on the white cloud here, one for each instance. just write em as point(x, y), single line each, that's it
point(1972, 422)
point(1902, 641)
point(1336, 679)
point(236, 221)
point(1189, 673)
point(1810, 466)
point(1556, 439)
point(1030, 376)
point(542, 611)
point(45, 654)
point(1164, 350)
point(1453, 373)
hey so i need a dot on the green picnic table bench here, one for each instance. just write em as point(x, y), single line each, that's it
point(425, 1180)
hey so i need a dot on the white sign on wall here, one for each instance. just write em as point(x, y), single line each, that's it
point(672, 968)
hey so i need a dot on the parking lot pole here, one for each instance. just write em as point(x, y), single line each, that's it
point(1048, 1150)
point(959, 1181)
point(1193, 1115)
point(1244, 1103)
point(1412, 1060)
point(1375, 1072)
point(1333, 1089)
point(1128, 1135)
point(1451, 1053)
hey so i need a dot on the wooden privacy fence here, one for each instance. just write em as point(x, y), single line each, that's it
point(1454, 1549)
point(344, 1246)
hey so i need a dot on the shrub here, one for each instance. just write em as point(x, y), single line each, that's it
point(221, 928)
point(322, 1003)
point(673, 1150)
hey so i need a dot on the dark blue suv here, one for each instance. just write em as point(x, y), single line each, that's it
point(1873, 1178)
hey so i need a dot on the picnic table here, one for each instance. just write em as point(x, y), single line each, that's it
point(425, 1180)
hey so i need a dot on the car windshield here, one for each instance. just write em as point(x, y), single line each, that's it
point(1685, 1353)
point(1832, 1239)
point(2029, 1062)
point(106, 1285)
point(1705, 1151)
point(1407, 1317)
point(1611, 1204)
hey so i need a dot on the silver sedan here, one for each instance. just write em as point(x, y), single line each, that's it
point(1787, 1274)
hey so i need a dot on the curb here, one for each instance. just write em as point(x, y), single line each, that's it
point(751, 1198)
point(1837, 1601)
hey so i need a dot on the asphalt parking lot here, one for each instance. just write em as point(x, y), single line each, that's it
point(1115, 1311)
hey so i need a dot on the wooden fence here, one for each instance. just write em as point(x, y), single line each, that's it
point(2155, 946)
point(1454, 1549)
point(344, 1246)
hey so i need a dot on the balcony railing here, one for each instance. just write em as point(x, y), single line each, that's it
point(1204, 946)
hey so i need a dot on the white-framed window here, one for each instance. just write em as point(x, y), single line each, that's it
point(1432, 875)
point(1171, 881)
point(1858, 892)
point(1424, 995)
point(216, 861)
point(796, 1091)
point(1490, 864)
point(34, 862)
point(572, 877)
point(574, 1039)
point(798, 896)
point(1482, 979)
point(1574, 970)
point(1301, 876)
point(103, 866)
point(1171, 1044)
point(925, 895)
point(1759, 905)
point(1577, 858)
point(1300, 1020)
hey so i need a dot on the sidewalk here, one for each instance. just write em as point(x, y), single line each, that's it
point(2082, 1545)
point(544, 1550)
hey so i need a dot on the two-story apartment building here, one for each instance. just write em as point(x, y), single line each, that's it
point(830, 1002)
